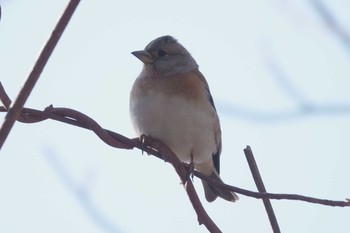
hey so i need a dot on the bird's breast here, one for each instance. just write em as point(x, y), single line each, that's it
point(186, 127)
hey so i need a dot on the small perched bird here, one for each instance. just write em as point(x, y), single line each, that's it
point(170, 101)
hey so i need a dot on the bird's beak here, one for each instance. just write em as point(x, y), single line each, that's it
point(144, 56)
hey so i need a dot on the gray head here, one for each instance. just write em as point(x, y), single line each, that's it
point(166, 56)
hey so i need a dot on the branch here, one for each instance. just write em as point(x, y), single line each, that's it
point(183, 171)
point(261, 187)
point(276, 196)
point(33, 77)
point(156, 148)
point(232, 110)
point(332, 23)
point(73, 117)
point(85, 200)
point(304, 107)
point(113, 139)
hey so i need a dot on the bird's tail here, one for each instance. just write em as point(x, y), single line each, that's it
point(211, 192)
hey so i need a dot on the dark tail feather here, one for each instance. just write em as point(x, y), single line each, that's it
point(211, 192)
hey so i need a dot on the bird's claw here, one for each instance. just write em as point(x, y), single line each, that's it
point(190, 174)
point(144, 139)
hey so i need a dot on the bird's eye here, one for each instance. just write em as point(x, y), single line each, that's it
point(162, 53)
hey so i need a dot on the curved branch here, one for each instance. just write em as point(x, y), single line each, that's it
point(159, 150)
point(111, 138)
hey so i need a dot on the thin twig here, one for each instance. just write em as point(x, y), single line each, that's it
point(33, 77)
point(261, 188)
point(276, 196)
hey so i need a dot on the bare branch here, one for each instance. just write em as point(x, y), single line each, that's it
point(261, 187)
point(158, 149)
point(76, 118)
point(276, 196)
point(33, 77)
point(183, 171)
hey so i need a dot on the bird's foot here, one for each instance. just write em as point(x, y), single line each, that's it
point(148, 141)
point(190, 174)
point(144, 141)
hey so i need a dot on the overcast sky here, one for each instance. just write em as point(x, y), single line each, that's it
point(279, 74)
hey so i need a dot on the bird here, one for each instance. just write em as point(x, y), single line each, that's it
point(170, 100)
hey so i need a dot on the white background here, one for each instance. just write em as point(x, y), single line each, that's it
point(280, 78)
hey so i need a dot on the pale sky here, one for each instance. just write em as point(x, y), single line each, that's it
point(278, 73)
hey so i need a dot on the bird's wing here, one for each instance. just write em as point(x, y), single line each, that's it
point(216, 155)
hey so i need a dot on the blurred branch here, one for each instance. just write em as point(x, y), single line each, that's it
point(330, 20)
point(304, 107)
point(281, 115)
point(82, 197)
point(33, 77)
point(283, 80)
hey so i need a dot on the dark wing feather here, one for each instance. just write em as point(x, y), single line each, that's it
point(216, 156)
point(210, 98)
point(216, 159)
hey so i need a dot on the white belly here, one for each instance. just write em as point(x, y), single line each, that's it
point(185, 127)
